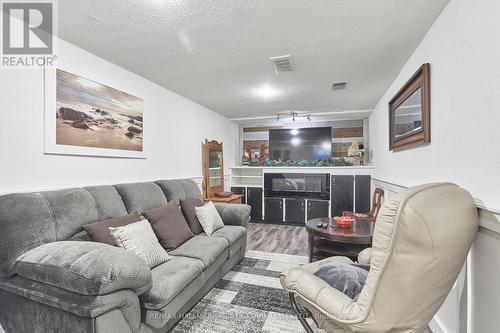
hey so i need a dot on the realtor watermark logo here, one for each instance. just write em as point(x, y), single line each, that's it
point(28, 34)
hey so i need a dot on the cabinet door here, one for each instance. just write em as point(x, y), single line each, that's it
point(295, 211)
point(273, 209)
point(241, 191)
point(317, 208)
point(363, 189)
point(254, 199)
point(342, 194)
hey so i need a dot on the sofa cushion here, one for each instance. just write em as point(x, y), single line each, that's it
point(169, 279)
point(139, 238)
point(108, 200)
point(206, 249)
point(82, 236)
point(72, 208)
point(231, 233)
point(99, 231)
point(87, 268)
point(173, 190)
point(169, 225)
point(188, 209)
point(141, 196)
point(180, 189)
point(191, 189)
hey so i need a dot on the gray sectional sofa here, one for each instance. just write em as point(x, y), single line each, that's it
point(54, 279)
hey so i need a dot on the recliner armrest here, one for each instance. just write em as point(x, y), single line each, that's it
point(234, 214)
point(365, 256)
point(87, 268)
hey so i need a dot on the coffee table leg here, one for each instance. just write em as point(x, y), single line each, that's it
point(311, 247)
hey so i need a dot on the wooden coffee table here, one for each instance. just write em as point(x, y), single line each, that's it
point(337, 241)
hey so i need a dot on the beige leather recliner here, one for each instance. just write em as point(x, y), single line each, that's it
point(421, 240)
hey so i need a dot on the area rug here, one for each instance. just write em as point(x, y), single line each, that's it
point(248, 299)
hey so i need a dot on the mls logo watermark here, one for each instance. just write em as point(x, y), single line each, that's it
point(28, 34)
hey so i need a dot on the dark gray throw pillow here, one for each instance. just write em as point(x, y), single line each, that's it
point(188, 209)
point(169, 225)
point(99, 231)
point(347, 278)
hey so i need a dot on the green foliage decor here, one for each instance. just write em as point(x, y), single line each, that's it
point(304, 163)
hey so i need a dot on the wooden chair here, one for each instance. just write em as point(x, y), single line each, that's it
point(378, 194)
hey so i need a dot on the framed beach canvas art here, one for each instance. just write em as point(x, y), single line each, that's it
point(86, 117)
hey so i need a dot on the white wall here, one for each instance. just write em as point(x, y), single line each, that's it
point(463, 48)
point(174, 127)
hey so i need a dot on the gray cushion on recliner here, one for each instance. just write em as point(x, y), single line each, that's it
point(169, 279)
point(86, 268)
point(72, 208)
point(26, 222)
point(204, 248)
point(231, 233)
point(141, 196)
point(347, 278)
point(108, 201)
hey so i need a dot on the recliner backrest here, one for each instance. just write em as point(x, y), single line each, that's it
point(421, 240)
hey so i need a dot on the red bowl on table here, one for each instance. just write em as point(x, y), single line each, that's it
point(344, 221)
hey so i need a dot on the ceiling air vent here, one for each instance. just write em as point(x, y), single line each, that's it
point(283, 64)
point(339, 85)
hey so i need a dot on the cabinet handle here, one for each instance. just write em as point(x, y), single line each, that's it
point(281, 204)
point(302, 205)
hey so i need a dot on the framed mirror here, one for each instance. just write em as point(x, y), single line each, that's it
point(409, 112)
point(213, 165)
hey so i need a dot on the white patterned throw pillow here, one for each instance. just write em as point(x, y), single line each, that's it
point(209, 218)
point(140, 238)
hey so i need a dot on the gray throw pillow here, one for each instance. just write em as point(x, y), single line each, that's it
point(347, 278)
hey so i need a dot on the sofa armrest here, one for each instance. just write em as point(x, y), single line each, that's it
point(87, 268)
point(365, 256)
point(234, 214)
point(46, 301)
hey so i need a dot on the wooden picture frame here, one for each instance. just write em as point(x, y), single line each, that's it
point(409, 122)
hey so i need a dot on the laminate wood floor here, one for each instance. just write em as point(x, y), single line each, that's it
point(277, 238)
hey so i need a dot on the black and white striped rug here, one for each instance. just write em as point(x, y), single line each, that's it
point(249, 299)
